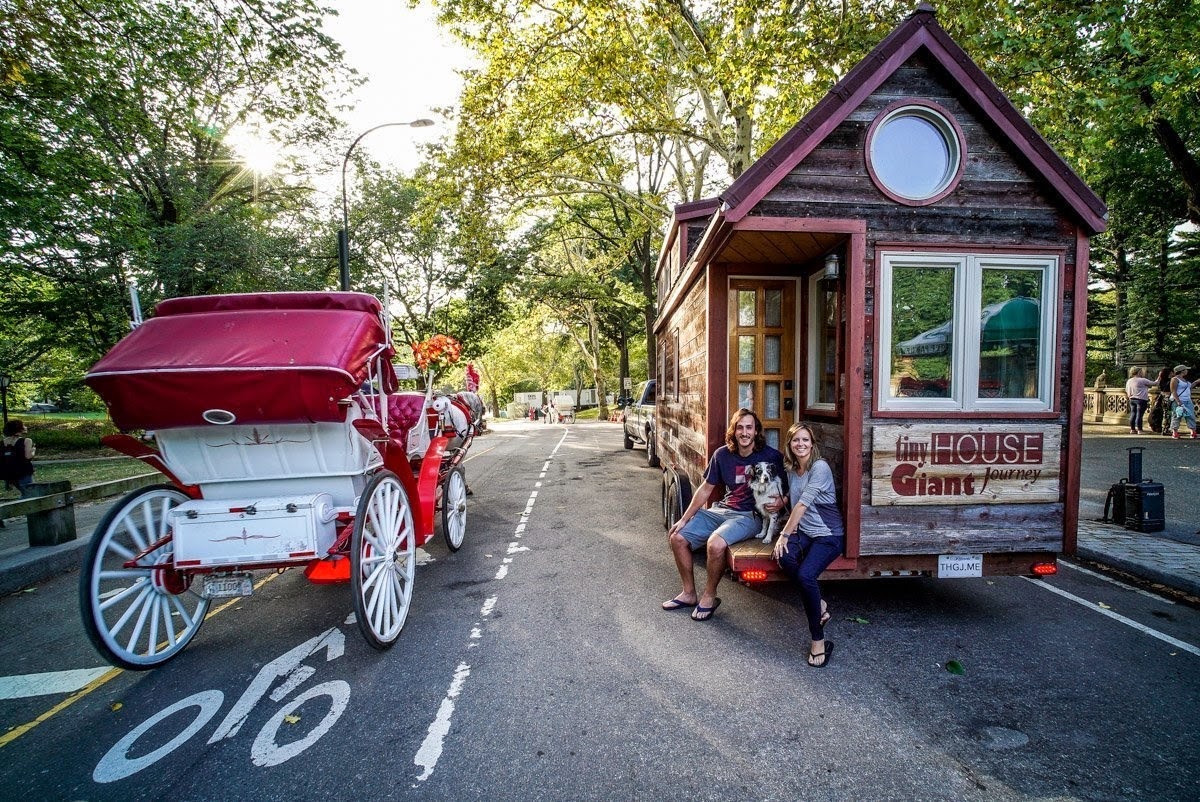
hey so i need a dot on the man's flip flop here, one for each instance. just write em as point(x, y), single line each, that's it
point(828, 653)
point(677, 604)
point(705, 613)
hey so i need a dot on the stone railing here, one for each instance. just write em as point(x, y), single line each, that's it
point(1111, 405)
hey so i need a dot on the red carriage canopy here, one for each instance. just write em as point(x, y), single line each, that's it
point(286, 357)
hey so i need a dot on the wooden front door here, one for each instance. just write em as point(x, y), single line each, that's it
point(762, 352)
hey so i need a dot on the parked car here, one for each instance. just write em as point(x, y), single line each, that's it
point(43, 406)
point(638, 420)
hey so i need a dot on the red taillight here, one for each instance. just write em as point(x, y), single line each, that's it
point(1045, 569)
point(756, 575)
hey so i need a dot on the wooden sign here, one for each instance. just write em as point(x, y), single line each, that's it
point(953, 463)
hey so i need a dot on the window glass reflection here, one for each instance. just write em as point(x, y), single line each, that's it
point(745, 353)
point(1010, 324)
point(773, 314)
point(922, 334)
point(746, 310)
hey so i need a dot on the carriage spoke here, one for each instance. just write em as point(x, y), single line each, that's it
point(145, 602)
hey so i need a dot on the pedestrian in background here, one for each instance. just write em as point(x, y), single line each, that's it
point(1138, 390)
point(1160, 411)
point(16, 463)
point(1181, 395)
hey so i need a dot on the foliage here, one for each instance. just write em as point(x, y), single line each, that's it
point(114, 163)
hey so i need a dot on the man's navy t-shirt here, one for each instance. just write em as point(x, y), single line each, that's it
point(728, 468)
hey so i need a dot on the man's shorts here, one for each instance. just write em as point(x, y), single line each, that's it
point(733, 526)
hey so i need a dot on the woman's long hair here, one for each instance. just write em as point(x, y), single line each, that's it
point(731, 440)
point(791, 460)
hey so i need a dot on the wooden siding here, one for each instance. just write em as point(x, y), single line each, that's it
point(681, 423)
point(961, 530)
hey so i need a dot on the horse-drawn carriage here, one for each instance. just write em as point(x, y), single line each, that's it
point(286, 443)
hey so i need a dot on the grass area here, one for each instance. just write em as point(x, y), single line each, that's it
point(71, 442)
point(83, 472)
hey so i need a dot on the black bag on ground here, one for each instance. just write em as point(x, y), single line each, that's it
point(1114, 504)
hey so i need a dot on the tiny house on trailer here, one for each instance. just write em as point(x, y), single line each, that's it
point(906, 270)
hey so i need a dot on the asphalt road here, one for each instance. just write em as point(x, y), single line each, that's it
point(537, 664)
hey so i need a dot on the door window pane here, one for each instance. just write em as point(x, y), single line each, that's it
point(772, 437)
point(1010, 325)
point(746, 395)
point(774, 345)
point(745, 353)
point(771, 407)
point(746, 311)
point(922, 335)
point(773, 313)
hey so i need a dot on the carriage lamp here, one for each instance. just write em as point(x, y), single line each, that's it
point(832, 268)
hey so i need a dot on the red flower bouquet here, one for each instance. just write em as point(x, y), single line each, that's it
point(437, 352)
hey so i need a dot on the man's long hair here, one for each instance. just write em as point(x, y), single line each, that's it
point(731, 439)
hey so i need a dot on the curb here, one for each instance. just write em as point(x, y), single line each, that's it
point(1139, 569)
point(34, 564)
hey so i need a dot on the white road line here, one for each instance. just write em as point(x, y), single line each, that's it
point(431, 747)
point(1154, 633)
point(26, 685)
point(1116, 582)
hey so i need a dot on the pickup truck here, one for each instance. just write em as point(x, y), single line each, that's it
point(638, 420)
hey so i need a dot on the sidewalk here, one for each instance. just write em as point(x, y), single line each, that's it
point(1170, 558)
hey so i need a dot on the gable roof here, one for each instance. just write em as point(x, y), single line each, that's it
point(919, 32)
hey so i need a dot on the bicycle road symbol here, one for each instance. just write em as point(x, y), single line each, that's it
point(266, 749)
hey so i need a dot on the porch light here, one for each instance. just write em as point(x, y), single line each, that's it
point(832, 268)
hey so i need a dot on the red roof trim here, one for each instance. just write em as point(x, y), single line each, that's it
point(919, 30)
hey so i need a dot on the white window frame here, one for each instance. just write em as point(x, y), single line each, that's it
point(968, 287)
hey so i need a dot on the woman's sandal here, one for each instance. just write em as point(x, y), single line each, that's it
point(825, 616)
point(828, 653)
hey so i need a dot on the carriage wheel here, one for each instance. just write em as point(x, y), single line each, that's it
point(139, 617)
point(454, 507)
point(382, 559)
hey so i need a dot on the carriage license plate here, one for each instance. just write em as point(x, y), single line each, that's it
point(227, 586)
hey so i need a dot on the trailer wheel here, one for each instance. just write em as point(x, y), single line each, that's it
point(382, 560)
point(138, 617)
point(674, 510)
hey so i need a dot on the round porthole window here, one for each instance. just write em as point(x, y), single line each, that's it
point(914, 154)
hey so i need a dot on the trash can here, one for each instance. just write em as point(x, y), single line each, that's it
point(54, 526)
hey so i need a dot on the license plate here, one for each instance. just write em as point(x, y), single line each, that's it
point(959, 566)
point(227, 586)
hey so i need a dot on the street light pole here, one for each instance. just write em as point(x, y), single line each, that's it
point(344, 234)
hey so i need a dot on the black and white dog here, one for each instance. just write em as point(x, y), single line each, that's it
point(765, 485)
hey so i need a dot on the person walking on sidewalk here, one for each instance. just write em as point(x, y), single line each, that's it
point(16, 463)
point(1160, 411)
point(1138, 390)
point(1181, 394)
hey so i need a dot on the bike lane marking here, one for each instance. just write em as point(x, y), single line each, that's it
point(109, 674)
point(1129, 622)
point(430, 750)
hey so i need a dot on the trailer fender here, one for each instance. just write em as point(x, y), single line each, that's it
point(676, 495)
